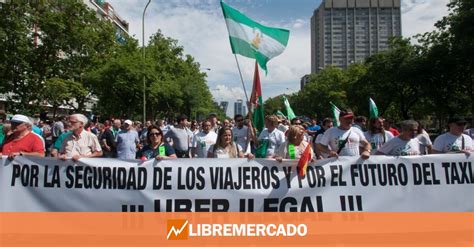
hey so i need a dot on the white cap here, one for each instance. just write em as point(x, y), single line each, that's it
point(18, 118)
point(128, 121)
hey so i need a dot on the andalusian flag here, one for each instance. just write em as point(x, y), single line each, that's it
point(251, 39)
point(289, 111)
point(335, 113)
point(304, 160)
point(373, 111)
point(256, 102)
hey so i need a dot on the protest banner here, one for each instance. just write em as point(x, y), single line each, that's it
point(433, 183)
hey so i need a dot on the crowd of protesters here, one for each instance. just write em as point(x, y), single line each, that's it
point(75, 137)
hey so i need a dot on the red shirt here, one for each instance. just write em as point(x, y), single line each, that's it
point(394, 131)
point(31, 143)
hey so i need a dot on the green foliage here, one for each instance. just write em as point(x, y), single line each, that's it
point(174, 83)
point(59, 52)
point(50, 39)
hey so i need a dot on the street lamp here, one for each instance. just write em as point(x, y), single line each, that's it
point(143, 51)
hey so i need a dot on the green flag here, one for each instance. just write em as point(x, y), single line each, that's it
point(373, 111)
point(335, 112)
point(289, 111)
point(279, 113)
point(253, 40)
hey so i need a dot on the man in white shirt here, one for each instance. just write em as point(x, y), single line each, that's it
point(454, 141)
point(345, 140)
point(377, 136)
point(240, 132)
point(203, 140)
point(404, 144)
point(270, 137)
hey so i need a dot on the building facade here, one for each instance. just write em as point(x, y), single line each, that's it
point(105, 10)
point(347, 31)
point(239, 107)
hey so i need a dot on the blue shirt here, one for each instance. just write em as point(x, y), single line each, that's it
point(127, 144)
point(314, 128)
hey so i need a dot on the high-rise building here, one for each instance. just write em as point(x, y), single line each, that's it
point(223, 105)
point(238, 107)
point(348, 31)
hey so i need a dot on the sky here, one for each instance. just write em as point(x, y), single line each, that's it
point(200, 29)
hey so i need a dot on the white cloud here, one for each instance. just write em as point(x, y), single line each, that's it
point(419, 16)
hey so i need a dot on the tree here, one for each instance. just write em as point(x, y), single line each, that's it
point(329, 85)
point(50, 39)
point(392, 80)
point(448, 65)
point(174, 83)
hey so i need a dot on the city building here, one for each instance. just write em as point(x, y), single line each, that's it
point(348, 31)
point(105, 10)
point(238, 107)
point(304, 80)
point(223, 105)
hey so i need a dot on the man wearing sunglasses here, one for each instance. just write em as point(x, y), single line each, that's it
point(454, 141)
point(23, 141)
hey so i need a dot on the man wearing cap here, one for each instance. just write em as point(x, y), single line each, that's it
point(127, 141)
point(454, 141)
point(345, 140)
point(23, 141)
point(80, 143)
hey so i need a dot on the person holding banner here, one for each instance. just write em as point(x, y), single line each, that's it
point(155, 147)
point(203, 140)
point(240, 132)
point(80, 143)
point(270, 139)
point(225, 147)
point(377, 136)
point(345, 140)
point(294, 146)
point(454, 141)
point(22, 141)
point(404, 144)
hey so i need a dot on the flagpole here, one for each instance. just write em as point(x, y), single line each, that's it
point(238, 67)
point(242, 80)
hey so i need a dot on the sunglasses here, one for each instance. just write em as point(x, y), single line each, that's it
point(16, 123)
point(155, 134)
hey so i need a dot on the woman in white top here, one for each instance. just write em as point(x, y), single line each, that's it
point(294, 146)
point(225, 146)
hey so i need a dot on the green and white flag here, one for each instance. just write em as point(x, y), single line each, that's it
point(253, 40)
point(279, 113)
point(289, 111)
point(373, 111)
point(335, 113)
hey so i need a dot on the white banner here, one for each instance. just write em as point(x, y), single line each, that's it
point(433, 183)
